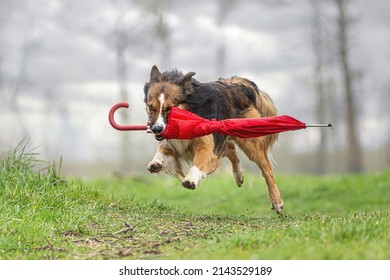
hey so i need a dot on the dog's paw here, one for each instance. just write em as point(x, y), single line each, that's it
point(188, 184)
point(277, 206)
point(239, 178)
point(193, 177)
point(154, 167)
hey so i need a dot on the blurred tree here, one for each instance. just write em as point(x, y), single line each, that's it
point(318, 49)
point(21, 79)
point(122, 33)
point(224, 7)
point(13, 84)
point(354, 150)
point(4, 19)
point(386, 113)
point(158, 10)
point(2, 94)
point(320, 79)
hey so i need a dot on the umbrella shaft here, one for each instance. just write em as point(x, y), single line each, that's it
point(319, 125)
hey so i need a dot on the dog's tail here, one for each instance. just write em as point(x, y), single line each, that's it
point(263, 104)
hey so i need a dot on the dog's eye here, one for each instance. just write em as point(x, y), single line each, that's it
point(151, 109)
point(167, 109)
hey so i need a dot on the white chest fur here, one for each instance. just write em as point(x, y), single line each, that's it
point(182, 151)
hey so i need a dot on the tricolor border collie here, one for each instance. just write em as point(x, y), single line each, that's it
point(192, 160)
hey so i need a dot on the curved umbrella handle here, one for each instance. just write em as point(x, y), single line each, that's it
point(123, 127)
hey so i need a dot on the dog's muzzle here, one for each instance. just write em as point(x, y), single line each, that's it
point(157, 130)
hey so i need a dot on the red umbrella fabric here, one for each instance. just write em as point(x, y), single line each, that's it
point(186, 125)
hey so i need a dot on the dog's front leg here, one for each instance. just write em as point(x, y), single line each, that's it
point(205, 162)
point(157, 162)
point(164, 160)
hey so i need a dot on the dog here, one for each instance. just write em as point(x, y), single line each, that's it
point(193, 160)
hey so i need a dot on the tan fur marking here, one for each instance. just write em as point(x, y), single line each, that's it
point(252, 112)
point(204, 157)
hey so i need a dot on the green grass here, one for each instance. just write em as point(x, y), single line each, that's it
point(46, 216)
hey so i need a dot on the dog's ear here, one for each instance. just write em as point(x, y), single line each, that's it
point(146, 90)
point(186, 80)
point(155, 75)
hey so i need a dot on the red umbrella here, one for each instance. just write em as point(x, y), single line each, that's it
point(186, 125)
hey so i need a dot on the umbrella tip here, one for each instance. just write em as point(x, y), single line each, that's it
point(320, 125)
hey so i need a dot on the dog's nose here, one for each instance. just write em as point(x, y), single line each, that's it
point(156, 129)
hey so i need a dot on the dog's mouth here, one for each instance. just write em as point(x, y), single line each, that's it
point(158, 137)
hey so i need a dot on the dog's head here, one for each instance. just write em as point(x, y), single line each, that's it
point(161, 93)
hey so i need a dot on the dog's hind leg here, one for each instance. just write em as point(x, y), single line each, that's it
point(256, 150)
point(231, 154)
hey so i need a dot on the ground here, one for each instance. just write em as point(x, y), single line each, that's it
point(46, 216)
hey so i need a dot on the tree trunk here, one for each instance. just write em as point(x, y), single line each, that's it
point(354, 150)
point(224, 8)
point(319, 81)
point(121, 44)
point(123, 93)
